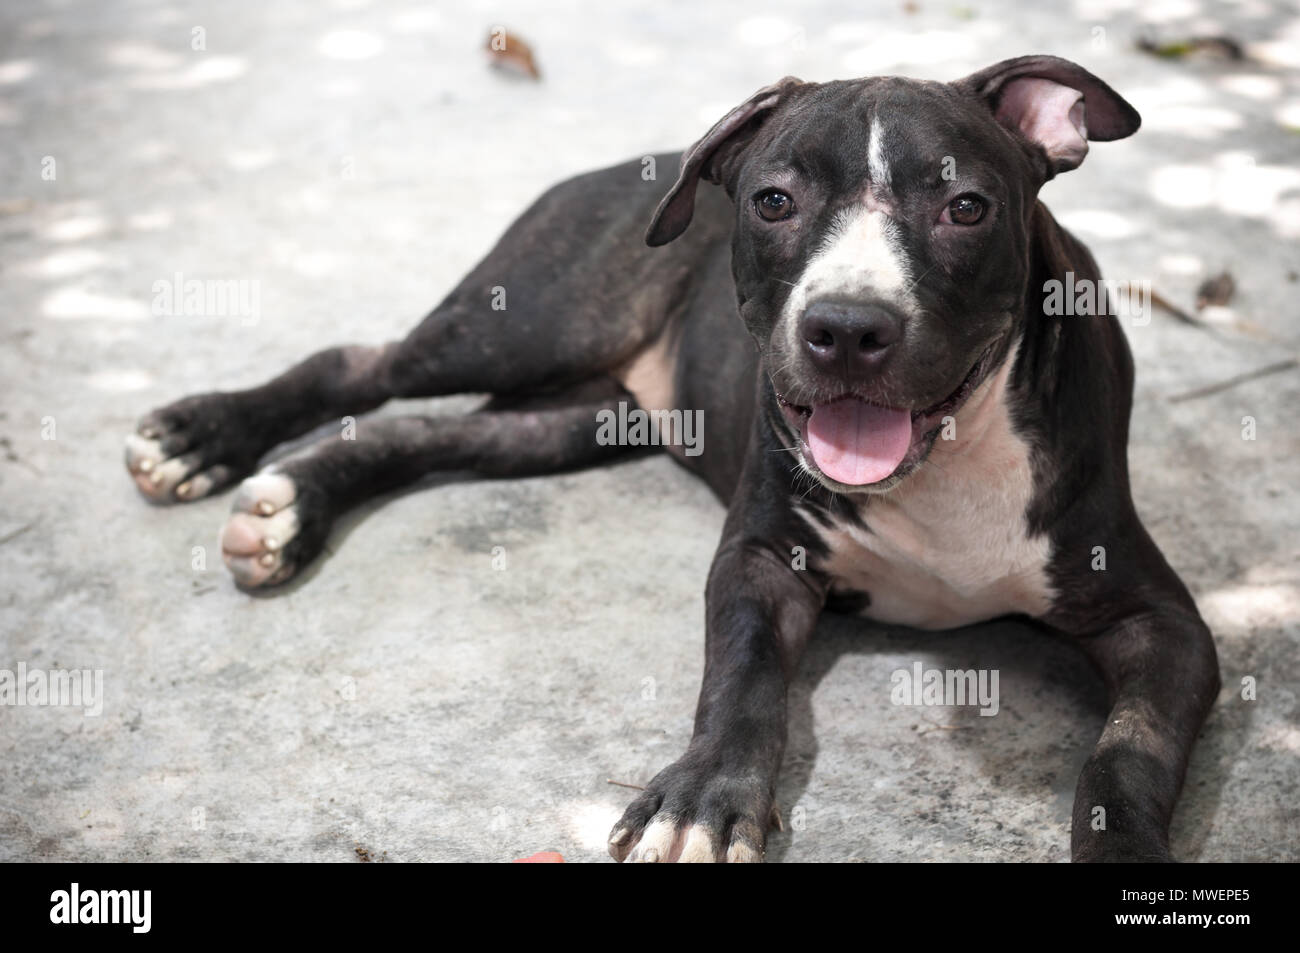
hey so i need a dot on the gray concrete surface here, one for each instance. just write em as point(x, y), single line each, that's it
point(354, 158)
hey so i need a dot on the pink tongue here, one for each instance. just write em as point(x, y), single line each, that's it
point(855, 443)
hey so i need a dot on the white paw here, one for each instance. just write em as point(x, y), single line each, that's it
point(165, 479)
point(665, 841)
point(262, 522)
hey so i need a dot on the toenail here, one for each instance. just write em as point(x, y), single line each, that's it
point(156, 479)
point(271, 543)
point(265, 508)
point(184, 489)
point(619, 837)
point(149, 433)
point(267, 559)
point(145, 465)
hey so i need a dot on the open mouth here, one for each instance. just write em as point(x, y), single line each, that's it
point(857, 443)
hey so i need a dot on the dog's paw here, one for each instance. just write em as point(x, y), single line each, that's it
point(1102, 847)
point(690, 814)
point(191, 448)
point(275, 528)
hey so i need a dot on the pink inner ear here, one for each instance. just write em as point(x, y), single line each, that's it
point(1051, 115)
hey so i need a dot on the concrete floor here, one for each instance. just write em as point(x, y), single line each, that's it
point(405, 697)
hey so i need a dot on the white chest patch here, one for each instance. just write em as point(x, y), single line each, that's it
point(949, 546)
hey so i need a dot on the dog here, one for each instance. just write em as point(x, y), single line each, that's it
point(897, 425)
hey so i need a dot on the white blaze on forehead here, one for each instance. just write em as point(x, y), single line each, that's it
point(877, 166)
point(861, 256)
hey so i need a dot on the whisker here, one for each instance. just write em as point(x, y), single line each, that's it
point(918, 280)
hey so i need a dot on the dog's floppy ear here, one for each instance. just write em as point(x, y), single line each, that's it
point(1054, 103)
point(705, 159)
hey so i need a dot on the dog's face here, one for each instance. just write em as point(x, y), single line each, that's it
point(881, 249)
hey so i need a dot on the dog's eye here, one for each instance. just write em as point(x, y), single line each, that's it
point(964, 210)
point(773, 206)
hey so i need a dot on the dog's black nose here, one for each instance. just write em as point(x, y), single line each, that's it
point(849, 338)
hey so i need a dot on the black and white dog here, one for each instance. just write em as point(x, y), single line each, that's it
point(902, 412)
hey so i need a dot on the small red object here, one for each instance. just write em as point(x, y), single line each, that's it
point(542, 857)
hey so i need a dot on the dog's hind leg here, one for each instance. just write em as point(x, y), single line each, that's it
point(548, 307)
point(282, 515)
point(200, 444)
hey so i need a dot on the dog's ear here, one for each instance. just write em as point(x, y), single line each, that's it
point(1055, 104)
point(707, 158)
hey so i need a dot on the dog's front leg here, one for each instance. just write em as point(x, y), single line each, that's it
point(715, 803)
point(1162, 675)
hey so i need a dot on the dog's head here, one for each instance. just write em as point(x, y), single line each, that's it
point(881, 249)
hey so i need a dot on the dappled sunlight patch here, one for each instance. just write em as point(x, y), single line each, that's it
point(1252, 86)
point(210, 69)
point(120, 381)
point(1251, 605)
point(154, 220)
point(341, 87)
point(142, 56)
point(1283, 50)
point(633, 53)
point(1166, 11)
point(1281, 737)
point(1100, 223)
point(249, 160)
point(1192, 122)
point(152, 150)
point(1095, 10)
point(1175, 90)
point(313, 199)
point(313, 263)
point(1288, 115)
point(416, 21)
point(922, 48)
point(77, 228)
point(1285, 218)
point(78, 303)
point(760, 31)
point(66, 262)
point(13, 72)
point(851, 32)
point(317, 264)
point(1182, 264)
point(350, 45)
point(1233, 182)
